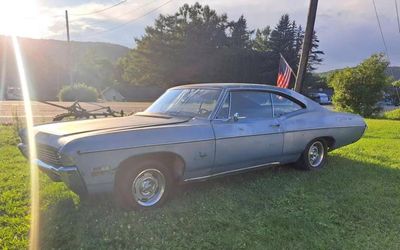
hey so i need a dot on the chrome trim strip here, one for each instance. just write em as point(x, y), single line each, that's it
point(220, 104)
point(300, 130)
point(204, 140)
point(58, 171)
point(284, 132)
point(220, 100)
point(144, 146)
point(69, 175)
point(230, 171)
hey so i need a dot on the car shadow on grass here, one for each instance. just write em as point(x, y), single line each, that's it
point(200, 214)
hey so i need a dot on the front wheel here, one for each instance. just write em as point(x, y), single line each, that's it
point(145, 185)
point(314, 155)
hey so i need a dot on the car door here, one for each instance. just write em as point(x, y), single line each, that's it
point(294, 123)
point(246, 132)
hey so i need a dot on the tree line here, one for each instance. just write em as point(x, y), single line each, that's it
point(196, 44)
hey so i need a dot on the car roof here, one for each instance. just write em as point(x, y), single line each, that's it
point(229, 86)
point(238, 86)
point(254, 86)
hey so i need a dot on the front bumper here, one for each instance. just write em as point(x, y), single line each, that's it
point(69, 175)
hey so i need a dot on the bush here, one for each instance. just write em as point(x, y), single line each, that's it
point(358, 89)
point(78, 92)
point(392, 115)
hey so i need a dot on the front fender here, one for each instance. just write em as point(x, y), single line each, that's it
point(99, 156)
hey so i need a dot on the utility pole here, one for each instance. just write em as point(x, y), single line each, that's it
point(69, 49)
point(307, 43)
point(397, 15)
point(67, 24)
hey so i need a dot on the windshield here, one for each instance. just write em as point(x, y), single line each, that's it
point(186, 102)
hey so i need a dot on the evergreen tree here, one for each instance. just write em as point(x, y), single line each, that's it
point(314, 59)
point(282, 40)
point(196, 44)
point(262, 40)
point(240, 35)
point(287, 39)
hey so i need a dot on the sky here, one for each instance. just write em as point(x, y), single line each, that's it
point(347, 29)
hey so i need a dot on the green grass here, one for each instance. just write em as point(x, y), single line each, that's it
point(392, 115)
point(353, 203)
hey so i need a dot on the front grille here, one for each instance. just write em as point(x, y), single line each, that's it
point(48, 155)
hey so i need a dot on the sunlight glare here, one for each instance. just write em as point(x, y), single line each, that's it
point(34, 174)
point(22, 18)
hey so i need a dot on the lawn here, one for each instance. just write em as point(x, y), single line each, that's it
point(353, 203)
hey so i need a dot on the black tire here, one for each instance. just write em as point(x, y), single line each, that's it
point(306, 162)
point(126, 191)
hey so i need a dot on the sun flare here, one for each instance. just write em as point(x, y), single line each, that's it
point(22, 18)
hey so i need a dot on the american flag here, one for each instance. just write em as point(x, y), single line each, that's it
point(284, 74)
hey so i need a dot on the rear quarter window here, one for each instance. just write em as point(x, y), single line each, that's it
point(283, 105)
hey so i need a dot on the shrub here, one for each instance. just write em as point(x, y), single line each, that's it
point(78, 92)
point(392, 115)
point(358, 89)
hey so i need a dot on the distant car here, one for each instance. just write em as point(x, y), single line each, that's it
point(13, 93)
point(191, 133)
point(320, 98)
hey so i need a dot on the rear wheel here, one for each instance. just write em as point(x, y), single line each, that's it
point(314, 155)
point(146, 185)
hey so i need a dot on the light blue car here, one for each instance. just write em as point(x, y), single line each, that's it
point(191, 133)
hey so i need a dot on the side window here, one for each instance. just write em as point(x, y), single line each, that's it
point(251, 104)
point(283, 105)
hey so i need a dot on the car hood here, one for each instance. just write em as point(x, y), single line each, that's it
point(128, 122)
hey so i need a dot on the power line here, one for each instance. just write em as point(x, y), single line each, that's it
point(397, 14)
point(384, 43)
point(126, 13)
point(380, 29)
point(130, 21)
point(99, 11)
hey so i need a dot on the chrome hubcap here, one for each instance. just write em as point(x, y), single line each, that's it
point(148, 187)
point(316, 154)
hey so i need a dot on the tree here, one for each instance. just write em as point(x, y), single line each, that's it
point(396, 84)
point(358, 89)
point(196, 44)
point(78, 92)
point(314, 58)
point(287, 39)
point(261, 41)
point(240, 35)
point(315, 81)
point(282, 41)
point(95, 71)
point(176, 49)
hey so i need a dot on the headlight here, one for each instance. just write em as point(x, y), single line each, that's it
point(66, 160)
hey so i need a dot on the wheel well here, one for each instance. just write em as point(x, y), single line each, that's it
point(330, 141)
point(176, 161)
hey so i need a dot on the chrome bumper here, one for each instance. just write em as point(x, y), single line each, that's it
point(69, 175)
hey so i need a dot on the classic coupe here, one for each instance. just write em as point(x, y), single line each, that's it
point(191, 133)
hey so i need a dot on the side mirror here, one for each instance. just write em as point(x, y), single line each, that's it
point(236, 117)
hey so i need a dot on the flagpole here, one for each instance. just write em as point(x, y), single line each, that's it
point(291, 70)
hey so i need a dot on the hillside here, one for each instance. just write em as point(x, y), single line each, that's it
point(46, 62)
point(393, 71)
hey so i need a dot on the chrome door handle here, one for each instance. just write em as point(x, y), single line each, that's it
point(275, 125)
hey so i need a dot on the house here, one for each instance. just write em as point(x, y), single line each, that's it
point(111, 94)
point(132, 93)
